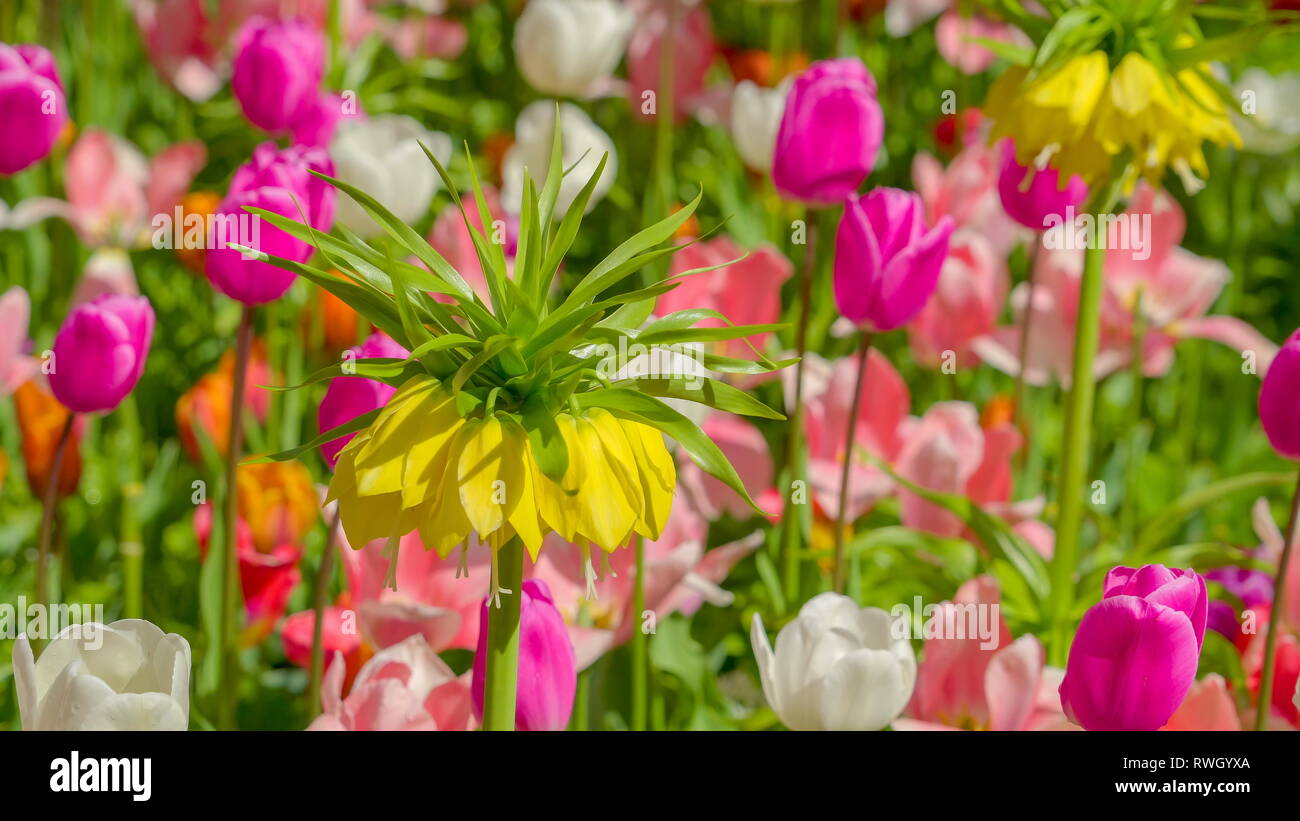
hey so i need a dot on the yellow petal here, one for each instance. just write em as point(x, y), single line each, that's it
point(381, 461)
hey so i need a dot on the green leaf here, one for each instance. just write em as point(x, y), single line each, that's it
point(352, 426)
point(549, 450)
point(701, 389)
point(1166, 522)
point(381, 369)
point(491, 347)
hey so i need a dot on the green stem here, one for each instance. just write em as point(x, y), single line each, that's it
point(1021, 423)
point(502, 663)
point(1128, 515)
point(1274, 615)
point(47, 510)
point(1074, 456)
point(581, 702)
point(132, 541)
point(228, 580)
point(851, 428)
point(640, 645)
point(791, 527)
point(665, 114)
point(319, 596)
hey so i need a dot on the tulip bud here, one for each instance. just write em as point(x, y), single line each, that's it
point(1279, 399)
point(127, 675)
point(33, 106)
point(548, 677)
point(755, 117)
point(99, 352)
point(886, 264)
point(347, 397)
point(277, 71)
point(567, 47)
point(1040, 200)
point(830, 133)
point(278, 181)
point(1134, 656)
point(836, 667)
point(382, 156)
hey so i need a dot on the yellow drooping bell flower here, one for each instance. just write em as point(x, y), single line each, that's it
point(422, 466)
point(1081, 116)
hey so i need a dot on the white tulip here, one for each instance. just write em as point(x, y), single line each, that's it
point(902, 17)
point(1274, 124)
point(382, 156)
point(532, 151)
point(127, 675)
point(836, 667)
point(755, 118)
point(567, 47)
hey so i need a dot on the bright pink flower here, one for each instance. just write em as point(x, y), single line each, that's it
point(1135, 654)
point(886, 263)
point(100, 351)
point(1038, 201)
point(114, 193)
point(693, 54)
point(348, 397)
point(1208, 706)
point(16, 367)
point(548, 677)
point(277, 72)
point(953, 35)
point(315, 124)
point(979, 679)
point(747, 292)
point(829, 134)
point(972, 289)
point(32, 107)
point(338, 635)
point(1279, 399)
point(278, 181)
point(404, 687)
point(967, 190)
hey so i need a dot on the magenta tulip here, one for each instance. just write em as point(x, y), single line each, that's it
point(548, 677)
point(829, 134)
point(1134, 657)
point(278, 181)
point(100, 351)
point(277, 71)
point(1039, 201)
point(348, 397)
point(886, 263)
point(32, 107)
point(1279, 399)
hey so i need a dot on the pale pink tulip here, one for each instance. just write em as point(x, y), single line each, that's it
point(747, 451)
point(403, 687)
point(691, 34)
point(1208, 706)
point(953, 35)
point(451, 238)
point(16, 367)
point(972, 288)
point(967, 190)
point(108, 271)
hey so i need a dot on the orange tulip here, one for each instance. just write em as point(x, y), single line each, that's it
point(340, 322)
point(205, 204)
point(40, 420)
point(278, 501)
point(1000, 410)
point(207, 403)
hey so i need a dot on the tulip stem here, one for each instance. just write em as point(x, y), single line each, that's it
point(640, 647)
point(851, 428)
point(318, 615)
point(501, 668)
point(1128, 514)
point(228, 577)
point(1021, 424)
point(49, 503)
point(1274, 615)
point(1074, 451)
point(791, 527)
point(665, 113)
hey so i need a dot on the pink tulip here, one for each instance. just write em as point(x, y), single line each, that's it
point(969, 682)
point(1209, 706)
point(548, 677)
point(451, 238)
point(967, 191)
point(277, 71)
point(266, 579)
point(1279, 399)
point(32, 107)
point(100, 351)
point(16, 367)
point(1039, 201)
point(108, 271)
point(115, 193)
point(953, 35)
point(338, 635)
point(1135, 654)
point(179, 35)
point(404, 687)
point(748, 452)
point(316, 123)
point(972, 289)
point(348, 397)
point(693, 53)
point(747, 292)
point(278, 181)
point(830, 133)
point(426, 36)
point(886, 263)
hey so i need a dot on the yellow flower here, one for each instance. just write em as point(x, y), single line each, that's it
point(1082, 116)
point(422, 466)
